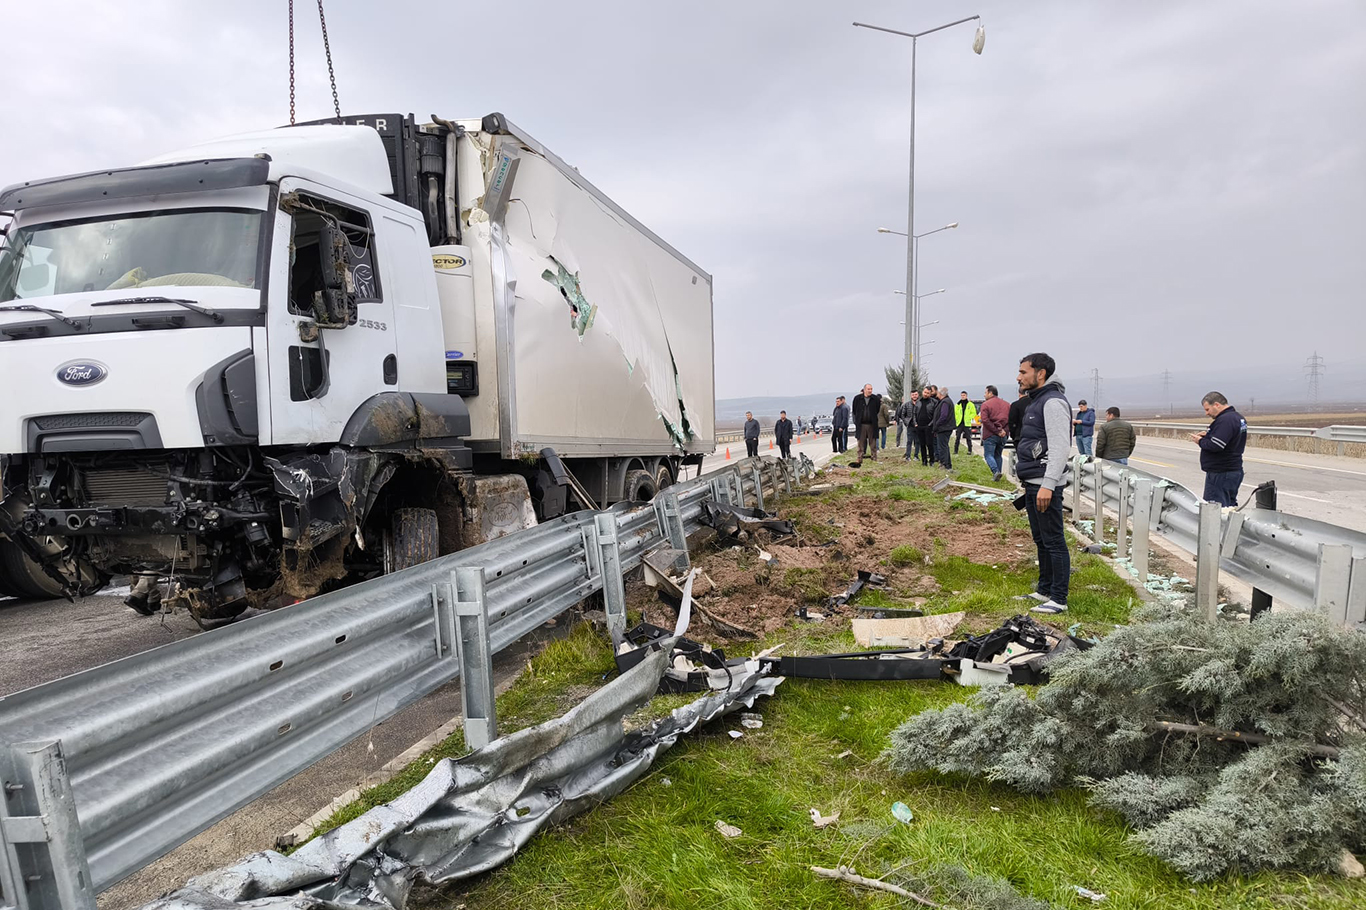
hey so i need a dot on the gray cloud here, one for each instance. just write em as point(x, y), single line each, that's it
point(1140, 186)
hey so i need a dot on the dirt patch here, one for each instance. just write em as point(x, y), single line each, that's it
point(838, 535)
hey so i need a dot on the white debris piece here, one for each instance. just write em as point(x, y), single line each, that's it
point(728, 830)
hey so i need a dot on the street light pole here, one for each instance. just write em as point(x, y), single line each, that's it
point(912, 314)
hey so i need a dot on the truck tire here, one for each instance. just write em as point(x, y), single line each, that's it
point(415, 538)
point(664, 478)
point(24, 578)
point(640, 486)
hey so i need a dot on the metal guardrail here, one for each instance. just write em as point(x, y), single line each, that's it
point(1335, 433)
point(108, 769)
point(1308, 564)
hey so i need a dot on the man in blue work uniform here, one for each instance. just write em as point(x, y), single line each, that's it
point(1221, 450)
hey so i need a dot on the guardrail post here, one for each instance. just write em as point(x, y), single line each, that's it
point(1143, 516)
point(42, 857)
point(759, 486)
point(1332, 583)
point(476, 657)
point(613, 586)
point(738, 484)
point(1356, 595)
point(1099, 493)
point(1077, 463)
point(1207, 561)
point(1122, 535)
point(1265, 499)
point(670, 521)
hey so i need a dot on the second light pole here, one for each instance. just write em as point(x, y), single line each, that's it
point(978, 42)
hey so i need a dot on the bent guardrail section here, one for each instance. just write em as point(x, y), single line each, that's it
point(108, 769)
point(1307, 564)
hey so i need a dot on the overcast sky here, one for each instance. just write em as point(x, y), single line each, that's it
point(1140, 186)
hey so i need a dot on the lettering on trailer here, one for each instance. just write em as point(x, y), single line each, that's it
point(81, 372)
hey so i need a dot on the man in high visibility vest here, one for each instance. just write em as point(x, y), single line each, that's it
point(964, 418)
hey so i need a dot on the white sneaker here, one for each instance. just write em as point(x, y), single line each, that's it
point(1041, 598)
point(1049, 606)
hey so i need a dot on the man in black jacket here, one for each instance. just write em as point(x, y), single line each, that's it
point(751, 435)
point(905, 420)
point(782, 434)
point(867, 407)
point(1221, 450)
point(924, 424)
point(943, 428)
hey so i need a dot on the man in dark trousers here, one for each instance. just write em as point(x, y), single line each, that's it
point(839, 429)
point(751, 435)
point(1041, 464)
point(964, 418)
point(782, 434)
point(995, 413)
point(943, 428)
point(1015, 419)
point(924, 424)
point(1221, 450)
point(867, 409)
point(905, 421)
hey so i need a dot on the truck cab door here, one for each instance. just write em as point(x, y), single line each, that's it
point(329, 325)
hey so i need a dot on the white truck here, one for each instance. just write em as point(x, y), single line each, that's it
point(280, 362)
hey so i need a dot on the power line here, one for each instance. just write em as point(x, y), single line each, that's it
point(1314, 367)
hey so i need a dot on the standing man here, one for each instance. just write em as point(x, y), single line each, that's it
point(884, 420)
point(1115, 440)
point(964, 416)
point(839, 426)
point(924, 425)
point(1085, 423)
point(995, 416)
point(905, 419)
point(782, 434)
point(1221, 449)
point(943, 428)
point(1015, 421)
point(751, 435)
point(1041, 463)
point(867, 410)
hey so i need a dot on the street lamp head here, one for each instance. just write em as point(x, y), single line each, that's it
point(954, 225)
point(979, 40)
point(902, 293)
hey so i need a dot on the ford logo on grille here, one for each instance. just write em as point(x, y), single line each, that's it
point(81, 372)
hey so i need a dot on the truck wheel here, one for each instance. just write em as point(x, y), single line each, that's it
point(663, 478)
point(414, 538)
point(24, 577)
point(640, 486)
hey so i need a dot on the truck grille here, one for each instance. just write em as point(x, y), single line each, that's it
point(86, 421)
point(130, 487)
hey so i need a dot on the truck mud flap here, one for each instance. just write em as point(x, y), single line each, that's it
point(319, 493)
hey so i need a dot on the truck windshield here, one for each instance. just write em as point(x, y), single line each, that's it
point(198, 248)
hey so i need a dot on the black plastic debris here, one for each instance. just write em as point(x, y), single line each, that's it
point(902, 663)
point(697, 658)
point(728, 520)
point(861, 580)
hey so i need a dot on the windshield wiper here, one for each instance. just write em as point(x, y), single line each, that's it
point(216, 316)
point(30, 308)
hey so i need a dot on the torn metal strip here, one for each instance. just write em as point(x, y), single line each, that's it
point(470, 815)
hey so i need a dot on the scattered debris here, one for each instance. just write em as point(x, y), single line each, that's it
point(985, 498)
point(1088, 893)
point(915, 631)
point(891, 612)
point(902, 813)
point(823, 821)
point(861, 580)
point(845, 874)
point(971, 673)
point(728, 830)
point(845, 754)
point(751, 721)
point(665, 782)
point(734, 734)
point(728, 520)
point(810, 615)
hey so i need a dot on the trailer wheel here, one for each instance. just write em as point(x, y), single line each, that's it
point(664, 478)
point(414, 538)
point(640, 486)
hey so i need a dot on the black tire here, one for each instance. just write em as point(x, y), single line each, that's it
point(664, 478)
point(415, 538)
point(23, 577)
point(640, 486)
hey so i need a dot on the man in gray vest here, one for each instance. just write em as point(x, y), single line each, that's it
point(1041, 464)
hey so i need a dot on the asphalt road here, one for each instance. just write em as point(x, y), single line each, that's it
point(1323, 487)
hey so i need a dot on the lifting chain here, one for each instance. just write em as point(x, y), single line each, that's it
point(327, 49)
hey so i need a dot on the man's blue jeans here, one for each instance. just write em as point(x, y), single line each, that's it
point(1222, 487)
point(991, 451)
point(1084, 444)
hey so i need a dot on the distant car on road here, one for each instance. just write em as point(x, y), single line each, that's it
point(823, 427)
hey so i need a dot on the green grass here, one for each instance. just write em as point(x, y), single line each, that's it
point(655, 845)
